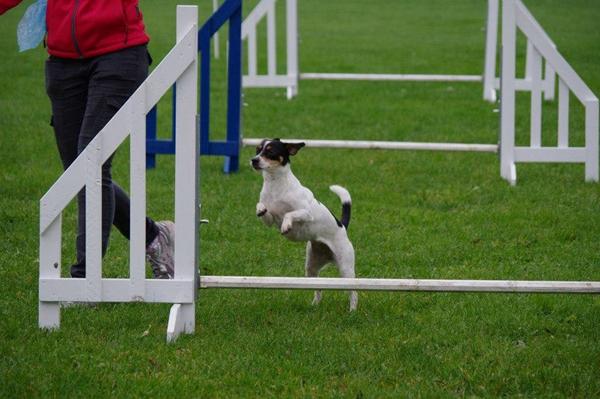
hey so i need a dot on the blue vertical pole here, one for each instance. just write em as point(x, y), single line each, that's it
point(151, 136)
point(234, 90)
point(204, 44)
point(174, 121)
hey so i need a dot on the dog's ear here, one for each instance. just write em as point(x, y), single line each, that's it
point(293, 148)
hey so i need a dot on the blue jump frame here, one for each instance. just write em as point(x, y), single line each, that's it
point(230, 10)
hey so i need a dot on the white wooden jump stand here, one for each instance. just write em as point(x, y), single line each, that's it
point(540, 50)
point(180, 66)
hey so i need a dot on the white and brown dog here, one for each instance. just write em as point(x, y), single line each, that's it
point(285, 203)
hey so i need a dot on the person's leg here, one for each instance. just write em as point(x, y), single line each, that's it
point(122, 214)
point(112, 80)
point(67, 88)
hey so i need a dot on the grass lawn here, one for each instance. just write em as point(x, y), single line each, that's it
point(415, 215)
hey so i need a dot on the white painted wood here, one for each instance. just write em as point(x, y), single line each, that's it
point(271, 43)
point(391, 77)
point(540, 48)
point(293, 69)
point(545, 46)
point(491, 40)
point(177, 60)
point(255, 16)
point(52, 289)
point(386, 145)
point(265, 8)
point(528, 60)
point(535, 74)
point(178, 322)
point(549, 82)
point(216, 35)
point(112, 135)
point(85, 172)
point(93, 220)
point(591, 140)
point(267, 81)
point(563, 114)
point(252, 53)
point(175, 326)
point(550, 154)
point(507, 104)
point(50, 266)
point(520, 84)
point(137, 221)
point(186, 170)
point(368, 284)
point(186, 162)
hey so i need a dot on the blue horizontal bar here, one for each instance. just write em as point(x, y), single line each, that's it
point(160, 146)
point(220, 148)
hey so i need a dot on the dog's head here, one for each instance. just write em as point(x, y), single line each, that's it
point(273, 154)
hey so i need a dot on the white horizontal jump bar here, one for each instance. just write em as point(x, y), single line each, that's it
point(386, 145)
point(373, 284)
point(391, 77)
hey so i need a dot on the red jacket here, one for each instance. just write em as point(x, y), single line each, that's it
point(88, 28)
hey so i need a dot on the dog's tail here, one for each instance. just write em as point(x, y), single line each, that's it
point(346, 203)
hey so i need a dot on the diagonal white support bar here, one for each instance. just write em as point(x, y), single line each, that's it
point(113, 134)
point(378, 284)
point(534, 32)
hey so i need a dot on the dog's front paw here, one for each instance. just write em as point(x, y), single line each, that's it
point(286, 225)
point(261, 209)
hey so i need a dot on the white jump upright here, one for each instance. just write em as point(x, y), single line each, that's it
point(180, 67)
point(540, 48)
point(266, 8)
point(271, 78)
point(543, 63)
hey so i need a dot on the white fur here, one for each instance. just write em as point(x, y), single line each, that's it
point(293, 209)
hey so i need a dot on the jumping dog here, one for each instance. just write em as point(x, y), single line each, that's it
point(292, 208)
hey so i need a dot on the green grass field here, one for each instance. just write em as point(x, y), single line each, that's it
point(415, 215)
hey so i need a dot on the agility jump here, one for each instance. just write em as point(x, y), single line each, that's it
point(180, 67)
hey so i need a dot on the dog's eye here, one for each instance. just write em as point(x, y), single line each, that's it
point(258, 150)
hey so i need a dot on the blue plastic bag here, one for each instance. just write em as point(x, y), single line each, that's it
point(32, 27)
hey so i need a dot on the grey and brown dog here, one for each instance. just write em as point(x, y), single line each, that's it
point(293, 209)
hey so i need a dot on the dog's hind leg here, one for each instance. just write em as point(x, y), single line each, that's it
point(344, 259)
point(317, 256)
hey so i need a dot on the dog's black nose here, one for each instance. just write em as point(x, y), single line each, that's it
point(255, 163)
